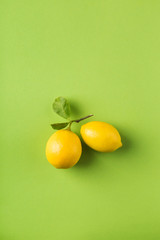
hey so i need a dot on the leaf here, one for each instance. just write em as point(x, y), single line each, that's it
point(58, 126)
point(61, 107)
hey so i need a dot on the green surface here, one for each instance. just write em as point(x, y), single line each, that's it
point(104, 56)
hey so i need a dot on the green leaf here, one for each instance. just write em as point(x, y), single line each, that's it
point(58, 126)
point(61, 107)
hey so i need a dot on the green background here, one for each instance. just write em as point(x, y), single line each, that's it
point(104, 56)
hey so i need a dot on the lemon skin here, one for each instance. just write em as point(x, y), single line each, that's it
point(63, 149)
point(101, 136)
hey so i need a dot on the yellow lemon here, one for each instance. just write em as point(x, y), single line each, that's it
point(101, 136)
point(63, 149)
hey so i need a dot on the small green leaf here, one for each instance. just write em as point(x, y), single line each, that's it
point(58, 126)
point(61, 107)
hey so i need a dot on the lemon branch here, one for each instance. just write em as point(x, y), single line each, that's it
point(61, 106)
point(78, 120)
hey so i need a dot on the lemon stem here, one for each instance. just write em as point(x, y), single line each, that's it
point(69, 126)
point(78, 120)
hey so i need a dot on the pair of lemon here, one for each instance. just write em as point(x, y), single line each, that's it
point(64, 149)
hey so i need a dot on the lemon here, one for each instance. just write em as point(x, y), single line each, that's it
point(63, 149)
point(101, 136)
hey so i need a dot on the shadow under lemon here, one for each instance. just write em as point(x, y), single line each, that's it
point(128, 144)
point(89, 156)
